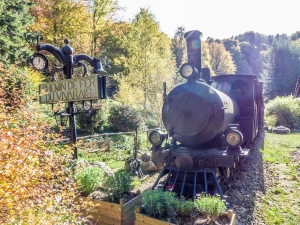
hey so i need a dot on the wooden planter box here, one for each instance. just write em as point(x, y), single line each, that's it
point(141, 219)
point(106, 213)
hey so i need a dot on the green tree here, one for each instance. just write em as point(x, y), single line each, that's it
point(14, 20)
point(206, 57)
point(295, 35)
point(179, 46)
point(221, 59)
point(281, 68)
point(242, 67)
point(60, 19)
point(149, 64)
point(252, 47)
point(102, 17)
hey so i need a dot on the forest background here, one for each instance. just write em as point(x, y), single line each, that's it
point(141, 56)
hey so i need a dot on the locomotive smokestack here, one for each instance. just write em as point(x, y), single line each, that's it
point(193, 39)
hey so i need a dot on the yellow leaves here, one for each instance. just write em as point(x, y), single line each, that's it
point(9, 205)
point(29, 178)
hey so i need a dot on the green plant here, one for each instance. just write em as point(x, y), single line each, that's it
point(123, 118)
point(151, 123)
point(184, 207)
point(212, 206)
point(94, 121)
point(90, 179)
point(122, 142)
point(118, 186)
point(159, 203)
point(283, 111)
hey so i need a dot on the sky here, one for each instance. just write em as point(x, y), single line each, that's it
point(219, 19)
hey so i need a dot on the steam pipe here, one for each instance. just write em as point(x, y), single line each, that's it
point(193, 39)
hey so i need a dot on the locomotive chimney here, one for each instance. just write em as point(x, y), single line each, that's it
point(193, 39)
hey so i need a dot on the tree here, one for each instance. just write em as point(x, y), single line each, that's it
point(206, 57)
point(179, 47)
point(267, 74)
point(102, 17)
point(149, 64)
point(242, 67)
point(221, 59)
point(295, 36)
point(60, 19)
point(281, 68)
point(14, 20)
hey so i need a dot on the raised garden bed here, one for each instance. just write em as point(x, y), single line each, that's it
point(106, 213)
point(141, 219)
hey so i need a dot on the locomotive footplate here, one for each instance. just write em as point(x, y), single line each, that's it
point(210, 158)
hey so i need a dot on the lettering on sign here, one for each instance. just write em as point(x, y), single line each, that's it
point(70, 90)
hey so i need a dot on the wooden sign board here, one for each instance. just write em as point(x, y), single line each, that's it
point(72, 90)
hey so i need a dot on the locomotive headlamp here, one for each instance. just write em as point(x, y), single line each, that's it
point(188, 71)
point(156, 138)
point(233, 138)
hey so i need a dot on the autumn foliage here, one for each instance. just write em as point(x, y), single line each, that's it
point(36, 185)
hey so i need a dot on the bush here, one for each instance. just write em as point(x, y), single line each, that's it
point(165, 204)
point(123, 118)
point(93, 122)
point(212, 206)
point(36, 181)
point(118, 186)
point(184, 208)
point(151, 123)
point(158, 203)
point(90, 179)
point(283, 111)
point(122, 142)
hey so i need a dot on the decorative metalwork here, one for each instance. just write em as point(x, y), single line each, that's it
point(65, 58)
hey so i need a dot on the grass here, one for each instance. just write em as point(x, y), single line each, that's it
point(281, 203)
point(277, 147)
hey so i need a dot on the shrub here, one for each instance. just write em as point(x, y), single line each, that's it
point(212, 206)
point(123, 118)
point(159, 203)
point(94, 121)
point(122, 142)
point(151, 123)
point(283, 111)
point(184, 208)
point(36, 183)
point(165, 205)
point(118, 186)
point(90, 179)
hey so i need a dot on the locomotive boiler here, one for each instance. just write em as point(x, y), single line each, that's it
point(210, 123)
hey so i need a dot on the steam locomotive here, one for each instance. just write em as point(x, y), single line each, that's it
point(210, 124)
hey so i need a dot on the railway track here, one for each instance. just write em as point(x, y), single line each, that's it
point(249, 186)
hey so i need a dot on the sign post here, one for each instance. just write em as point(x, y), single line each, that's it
point(70, 89)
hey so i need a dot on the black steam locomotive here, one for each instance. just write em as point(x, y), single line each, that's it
point(210, 123)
